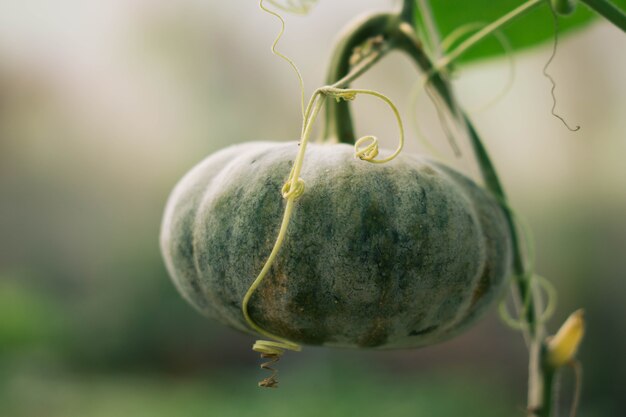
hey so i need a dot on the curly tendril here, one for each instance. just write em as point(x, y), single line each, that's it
point(535, 282)
point(275, 348)
point(519, 323)
point(289, 190)
point(370, 151)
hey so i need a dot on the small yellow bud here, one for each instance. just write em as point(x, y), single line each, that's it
point(563, 346)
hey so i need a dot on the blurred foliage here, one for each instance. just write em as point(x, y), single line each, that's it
point(29, 319)
point(531, 29)
point(332, 391)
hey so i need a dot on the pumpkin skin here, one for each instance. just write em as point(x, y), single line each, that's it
point(395, 255)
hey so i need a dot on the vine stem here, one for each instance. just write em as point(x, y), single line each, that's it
point(430, 26)
point(609, 11)
point(338, 124)
point(409, 8)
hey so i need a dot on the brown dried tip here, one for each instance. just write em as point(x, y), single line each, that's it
point(270, 381)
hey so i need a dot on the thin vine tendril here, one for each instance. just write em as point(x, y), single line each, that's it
point(441, 114)
point(421, 136)
point(371, 150)
point(578, 377)
point(555, 19)
point(278, 53)
point(521, 324)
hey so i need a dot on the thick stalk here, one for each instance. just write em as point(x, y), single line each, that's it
point(609, 11)
point(339, 125)
point(545, 401)
point(338, 117)
point(407, 14)
point(428, 27)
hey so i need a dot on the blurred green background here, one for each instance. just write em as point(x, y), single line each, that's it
point(105, 105)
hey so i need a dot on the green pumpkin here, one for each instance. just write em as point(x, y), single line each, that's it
point(394, 255)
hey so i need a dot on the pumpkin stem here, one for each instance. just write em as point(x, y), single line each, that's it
point(350, 47)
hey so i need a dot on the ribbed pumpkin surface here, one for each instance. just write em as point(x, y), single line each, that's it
point(395, 255)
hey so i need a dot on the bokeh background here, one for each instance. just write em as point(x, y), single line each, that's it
point(104, 105)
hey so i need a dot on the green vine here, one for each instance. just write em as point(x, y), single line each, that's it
point(339, 124)
point(609, 11)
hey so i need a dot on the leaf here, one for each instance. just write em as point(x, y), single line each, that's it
point(533, 28)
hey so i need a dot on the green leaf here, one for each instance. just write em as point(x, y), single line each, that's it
point(533, 28)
